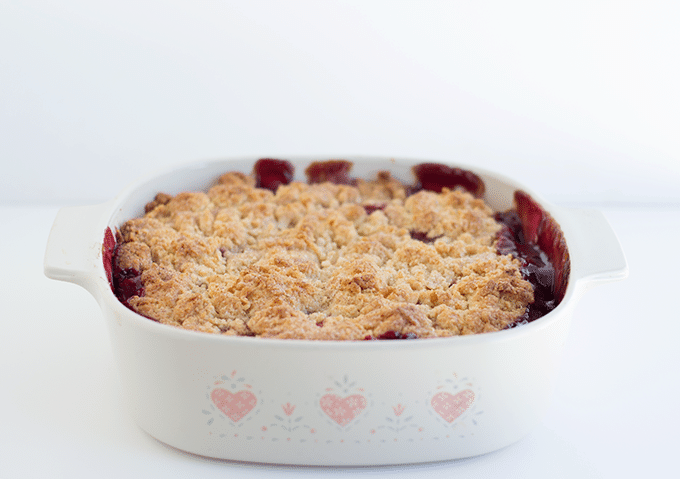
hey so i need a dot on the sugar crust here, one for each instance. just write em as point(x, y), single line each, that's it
point(318, 262)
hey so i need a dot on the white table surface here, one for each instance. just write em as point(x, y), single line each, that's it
point(614, 413)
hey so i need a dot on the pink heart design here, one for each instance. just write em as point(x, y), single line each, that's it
point(450, 406)
point(343, 410)
point(235, 406)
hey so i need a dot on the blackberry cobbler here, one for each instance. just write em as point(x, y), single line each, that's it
point(338, 257)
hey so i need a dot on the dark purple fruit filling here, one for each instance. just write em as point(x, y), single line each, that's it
point(271, 174)
point(334, 171)
point(128, 284)
point(108, 248)
point(541, 229)
point(535, 267)
point(125, 282)
point(421, 236)
point(534, 237)
point(434, 177)
point(529, 233)
point(373, 208)
point(392, 335)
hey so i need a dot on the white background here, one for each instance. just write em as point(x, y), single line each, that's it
point(579, 99)
point(583, 96)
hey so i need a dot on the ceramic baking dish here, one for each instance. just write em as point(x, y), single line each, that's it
point(330, 403)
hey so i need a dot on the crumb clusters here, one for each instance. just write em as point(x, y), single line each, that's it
point(322, 261)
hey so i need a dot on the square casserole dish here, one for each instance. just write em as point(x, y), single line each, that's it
point(330, 402)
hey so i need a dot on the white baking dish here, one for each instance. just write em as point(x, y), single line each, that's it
point(330, 403)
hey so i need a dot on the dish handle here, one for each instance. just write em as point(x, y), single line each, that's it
point(74, 246)
point(596, 253)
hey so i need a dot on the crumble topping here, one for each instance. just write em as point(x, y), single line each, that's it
point(322, 261)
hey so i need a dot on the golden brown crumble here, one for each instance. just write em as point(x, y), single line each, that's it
point(322, 261)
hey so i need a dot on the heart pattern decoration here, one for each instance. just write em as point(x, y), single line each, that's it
point(343, 410)
point(451, 406)
point(234, 405)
